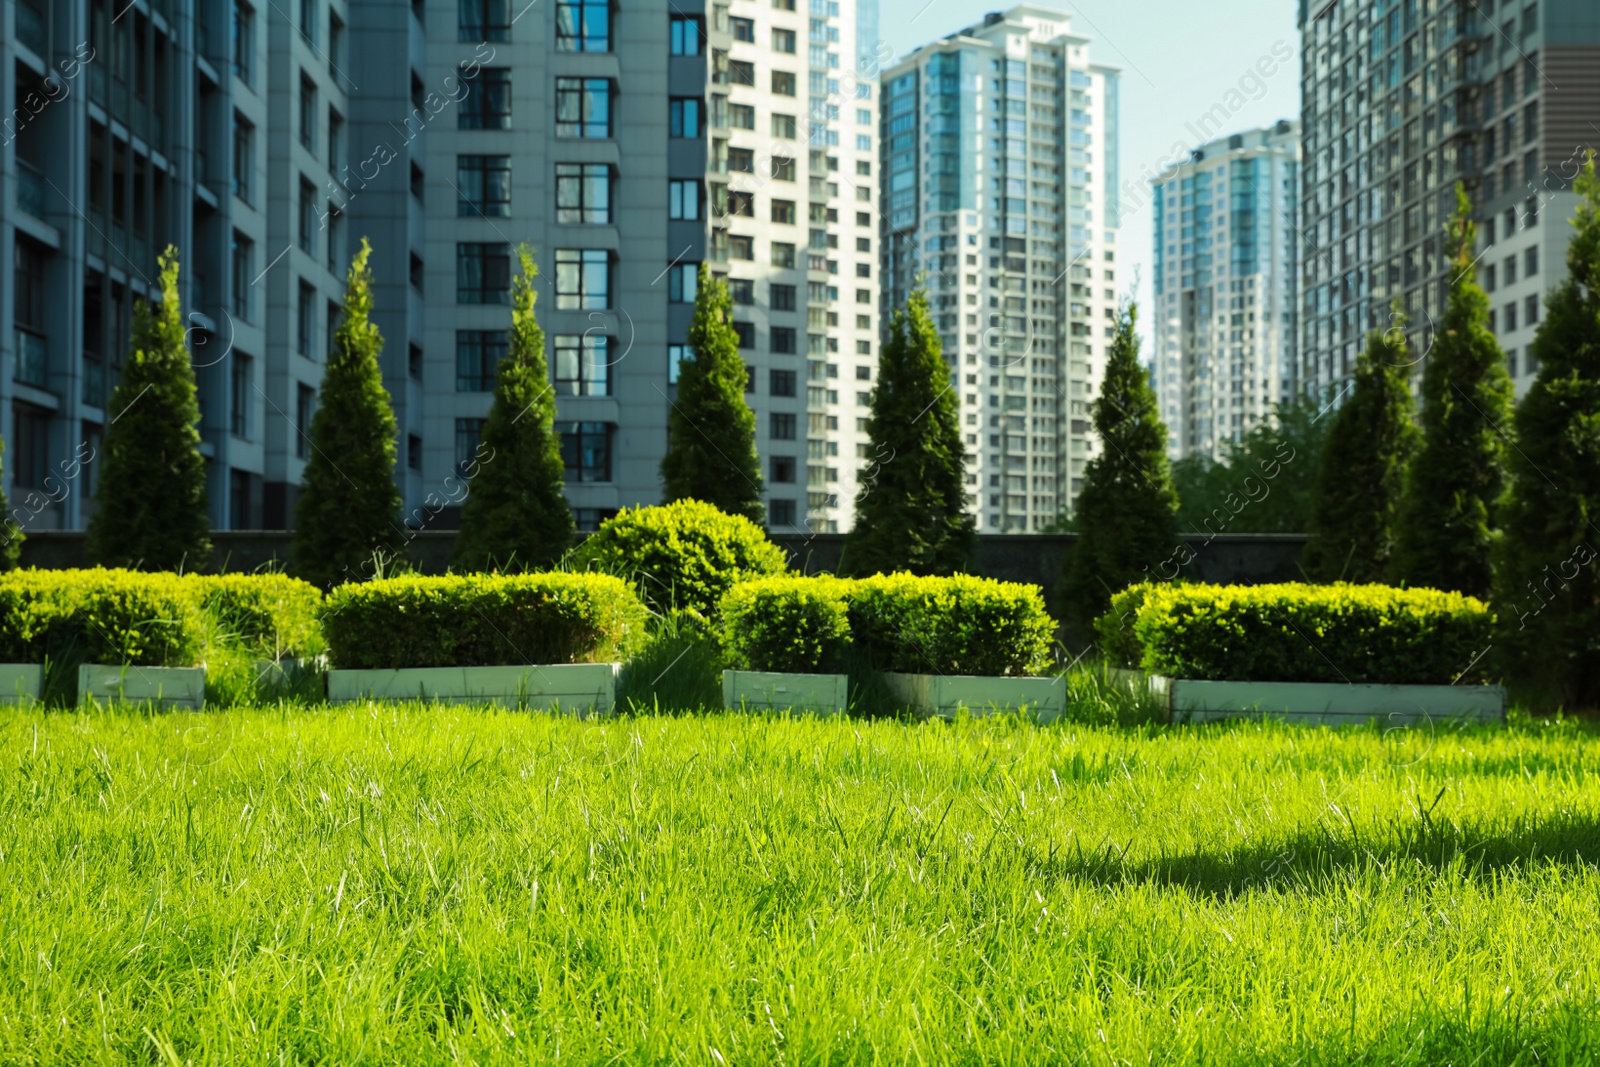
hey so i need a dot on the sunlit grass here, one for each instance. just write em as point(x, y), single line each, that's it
point(415, 885)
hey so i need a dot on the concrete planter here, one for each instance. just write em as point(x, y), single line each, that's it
point(945, 695)
point(579, 687)
point(1329, 703)
point(20, 683)
point(170, 687)
point(819, 694)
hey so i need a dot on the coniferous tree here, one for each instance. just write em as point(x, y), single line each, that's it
point(711, 444)
point(349, 505)
point(1445, 530)
point(911, 510)
point(1363, 466)
point(150, 511)
point(516, 514)
point(1547, 587)
point(11, 536)
point(1127, 510)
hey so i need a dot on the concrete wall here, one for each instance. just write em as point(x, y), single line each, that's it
point(1247, 559)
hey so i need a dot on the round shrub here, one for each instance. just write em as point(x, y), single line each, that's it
point(681, 556)
point(787, 624)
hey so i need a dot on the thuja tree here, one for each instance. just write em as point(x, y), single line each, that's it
point(515, 515)
point(911, 510)
point(1127, 511)
point(11, 535)
point(1363, 467)
point(347, 515)
point(711, 444)
point(150, 511)
point(1547, 590)
point(1444, 534)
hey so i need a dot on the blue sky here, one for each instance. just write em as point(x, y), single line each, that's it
point(1179, 58)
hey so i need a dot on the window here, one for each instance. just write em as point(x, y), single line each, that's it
point(783, 41)
point(783, 298)
point(336, 139)
point(1530, 262)
point(469, 434)
point(583, 26)
point(783, 5)
point(487, 104)
point(335, 245)
point(483, 185)
point(418, 273)
point(781, 426)
point(742, 204)
point(243, 278)
point(308, 217)
point(741, 73)
point(305, 321)
point(783, 469)
point(683, 200)
point(1530, 311)
point(782, 254)
point(334, 317)
point(244, 159)
point(746, 332)
point(782, 83)
point(583, 107)
point(676, 354)
point(586, 450)
point(414, 361)
point(583, 365)
point(308, 21)
point(413, 452)
point(484, 20)
point(783, 340)
point(742, 160)
point(782, 168)
point(783, 211)
point(583, 279)
point(783, 126)
point(741, 247)
point(742, 116)
point(308, 113)
point(419, 183)
point(684, 117)
point(685, 36)
point(305, 399)
point(242, 378)
point(583, 193)
point(483, 273)
point(1510, 317)
point(743, 29)
point(683, 282)
point(244, 42)
point(781, 382)
point(742, 291)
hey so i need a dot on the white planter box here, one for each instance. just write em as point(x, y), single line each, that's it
point(170, 687)
point(1329, 703)
point(945, 695)
point(20, 683)
point(569, 686)
point(821, 694)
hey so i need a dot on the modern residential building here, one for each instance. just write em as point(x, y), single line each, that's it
point(1000, 197)
point(1225, 287)
point(129, 127)
point(1400, 100)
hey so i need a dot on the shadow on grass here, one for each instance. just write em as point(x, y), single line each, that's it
point(1485, 1031)
point(1313, 855)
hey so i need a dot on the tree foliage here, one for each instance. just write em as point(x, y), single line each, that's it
point(911, 510)
point(11, 535)
point(711, 442)
point(1548, 578)
point(1128, 509)
point(349, 505)
point(515, 516)
point(1444, 535)
point(150, 510)
point(1265, 481)
point(1363, 466)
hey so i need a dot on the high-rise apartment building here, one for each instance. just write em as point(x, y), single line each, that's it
point(209, 125)
point(1224, 287)
point(1400, 100)
point(1000, 197)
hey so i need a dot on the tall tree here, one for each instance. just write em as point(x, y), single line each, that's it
point(11, 535)
point(1547, 588)
point(1444, 534)
point(516, 514)
point(150, 511)
point(349, 506)
point(911, 510)
point(1363, 466)
point(711, 442)
point(1265, 481)
point(1127, 511)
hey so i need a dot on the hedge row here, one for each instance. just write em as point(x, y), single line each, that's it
point(1300, 633)
point(897, 622)
point(478, 620)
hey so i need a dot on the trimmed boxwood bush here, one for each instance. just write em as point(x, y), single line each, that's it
point(482, 620)
point(955, 625)
point(1313, 633)
point(100, 616)
point(271, 615)
point(681, 556)
point(788, 625)
point(1119, 646)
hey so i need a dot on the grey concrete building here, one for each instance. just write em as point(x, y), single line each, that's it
point(1000, 188)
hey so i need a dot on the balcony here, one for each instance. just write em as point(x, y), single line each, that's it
point(30, 189)
point(33, 358)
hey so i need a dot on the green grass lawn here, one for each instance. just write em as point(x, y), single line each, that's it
point(420, 885)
